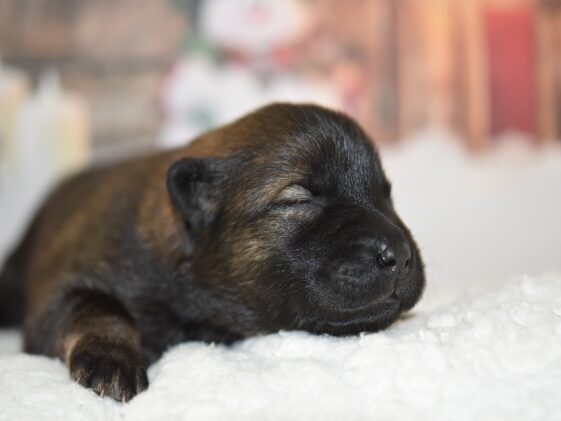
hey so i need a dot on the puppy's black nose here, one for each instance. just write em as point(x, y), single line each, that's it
point(386, 257)
point(394, 256)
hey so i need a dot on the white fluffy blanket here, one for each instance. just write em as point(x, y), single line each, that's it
point(484, 344)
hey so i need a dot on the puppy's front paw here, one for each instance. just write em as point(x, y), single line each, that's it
point(109, 369)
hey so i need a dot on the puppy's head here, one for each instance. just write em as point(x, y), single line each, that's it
point(296, 222)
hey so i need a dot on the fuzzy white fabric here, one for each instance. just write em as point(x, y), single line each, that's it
point(485, 343)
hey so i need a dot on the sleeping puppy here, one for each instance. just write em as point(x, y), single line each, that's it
point(280, 220)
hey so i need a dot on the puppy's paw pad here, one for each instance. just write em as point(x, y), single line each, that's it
point(115, 371)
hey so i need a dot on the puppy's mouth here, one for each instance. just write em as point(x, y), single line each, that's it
point(367, 300)
point(340, 321)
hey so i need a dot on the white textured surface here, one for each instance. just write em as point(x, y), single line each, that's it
point(497, 356)
point(484, 344)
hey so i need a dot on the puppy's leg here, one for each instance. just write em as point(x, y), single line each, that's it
point(100, 343)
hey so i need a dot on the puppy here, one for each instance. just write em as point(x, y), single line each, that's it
point(280, 220)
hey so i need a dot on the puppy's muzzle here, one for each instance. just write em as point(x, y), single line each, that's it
point(376, 260)
point(376, 267)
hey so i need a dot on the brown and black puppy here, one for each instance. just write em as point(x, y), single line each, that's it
point(281, 220)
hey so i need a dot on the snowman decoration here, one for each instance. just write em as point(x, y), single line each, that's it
point(248, 62)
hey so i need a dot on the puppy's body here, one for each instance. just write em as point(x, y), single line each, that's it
point(281, 220)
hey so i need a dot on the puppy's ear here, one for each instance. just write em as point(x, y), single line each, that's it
point(195, 186)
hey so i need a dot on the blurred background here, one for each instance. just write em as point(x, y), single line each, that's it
point(473, 87)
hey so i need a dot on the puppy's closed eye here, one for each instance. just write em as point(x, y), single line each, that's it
point(296, 201)
point(294, 194)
